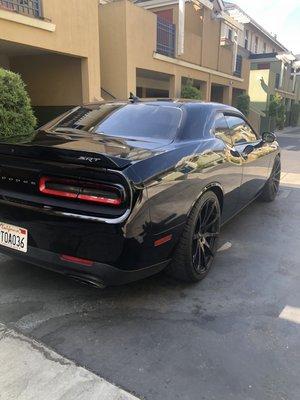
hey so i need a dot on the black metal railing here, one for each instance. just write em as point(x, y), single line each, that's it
point(32, 8)
point(166, 34)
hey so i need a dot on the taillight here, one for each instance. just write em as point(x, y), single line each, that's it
point(81, 190)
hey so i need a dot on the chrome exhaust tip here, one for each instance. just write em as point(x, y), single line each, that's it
point(87, 281)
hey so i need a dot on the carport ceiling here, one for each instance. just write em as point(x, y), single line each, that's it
point(146, 73)
point(16, 49)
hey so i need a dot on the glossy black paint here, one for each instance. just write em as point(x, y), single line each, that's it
point(163, 180)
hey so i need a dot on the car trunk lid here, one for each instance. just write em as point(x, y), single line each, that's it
point(81, 148)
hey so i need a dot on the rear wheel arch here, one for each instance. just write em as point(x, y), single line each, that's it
point(214, 187)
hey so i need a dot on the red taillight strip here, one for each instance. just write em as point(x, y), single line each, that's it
point(79, 196)
point(101, 200)
point(53, 192)
point(76, 260)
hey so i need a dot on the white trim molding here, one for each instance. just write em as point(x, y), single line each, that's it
point(290, 94)
point(24, 20)
point(162, 3)
point(196, 67)
point(231, 21)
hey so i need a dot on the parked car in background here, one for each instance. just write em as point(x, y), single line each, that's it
point(114, 192)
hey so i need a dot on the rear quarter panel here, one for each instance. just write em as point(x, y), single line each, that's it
point(175, 179)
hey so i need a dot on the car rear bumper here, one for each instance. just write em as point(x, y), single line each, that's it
point(97, 274)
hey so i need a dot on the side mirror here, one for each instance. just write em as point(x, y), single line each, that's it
point(268, 137)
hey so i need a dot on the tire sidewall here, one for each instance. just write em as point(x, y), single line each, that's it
point(193, 218)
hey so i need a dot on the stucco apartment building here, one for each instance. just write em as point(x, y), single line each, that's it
point(54, 45)
point(151, 48)
point(73, 51)
point(272, 64)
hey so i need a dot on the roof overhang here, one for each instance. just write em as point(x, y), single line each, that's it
point(162, 3)
point(287, 58)
point(235, 10)
point(230, 20)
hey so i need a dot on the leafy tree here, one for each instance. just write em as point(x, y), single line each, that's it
point(16, 115)
point(281, 116)
point(189, 91)
point(277, 110)
point(243, 103)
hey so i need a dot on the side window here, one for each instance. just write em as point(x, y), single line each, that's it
point(240, 131)
point(221, 130)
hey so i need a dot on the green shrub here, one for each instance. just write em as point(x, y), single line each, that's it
point(243, 103)
point(277, 110)
point(295, 114)
point(16, 115)
point(189, 91)
point(281, 116)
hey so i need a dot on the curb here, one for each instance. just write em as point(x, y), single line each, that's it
point(31, 371)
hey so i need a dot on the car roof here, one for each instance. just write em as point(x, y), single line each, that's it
point(208, 107)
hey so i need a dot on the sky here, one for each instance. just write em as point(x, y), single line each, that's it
point(281, 17)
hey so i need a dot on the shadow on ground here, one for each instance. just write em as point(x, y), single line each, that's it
point(163, 340)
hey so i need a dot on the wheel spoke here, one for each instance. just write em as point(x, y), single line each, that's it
point(203, 260)
point(211, 234)
point(204, 236)
point(212, 222)
point(208, 248)
point(208, 214)
point(196, 257)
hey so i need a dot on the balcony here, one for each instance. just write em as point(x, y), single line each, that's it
point(226, 42)
point(31, 8)
point(166, 34)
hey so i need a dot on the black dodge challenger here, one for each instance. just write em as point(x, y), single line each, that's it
point(114, 192)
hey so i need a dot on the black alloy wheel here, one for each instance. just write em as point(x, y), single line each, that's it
point(275, 177)
point(271, 188)
point(197, 247)
point(206, 232)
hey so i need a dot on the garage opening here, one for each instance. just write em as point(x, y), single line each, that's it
point(235, 94)
point(200, 85)
point(217, 93)
point(53, 81)
point(152, 84)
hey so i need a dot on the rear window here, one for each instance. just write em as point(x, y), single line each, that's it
point(137, 121)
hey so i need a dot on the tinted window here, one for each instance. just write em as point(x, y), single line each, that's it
point(194, 124)
point(159, 122)
point(221, 130)
point(240, 131)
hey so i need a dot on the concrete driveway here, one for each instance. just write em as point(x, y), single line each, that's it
point(235, 336)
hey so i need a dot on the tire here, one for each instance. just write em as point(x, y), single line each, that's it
point(197, 246)
point(271, 188)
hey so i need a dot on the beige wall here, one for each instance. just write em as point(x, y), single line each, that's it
point(211, 41)
point(76, 34)
point(258, 88)
point(51, 79)
point(113, 48)
point(128, 42)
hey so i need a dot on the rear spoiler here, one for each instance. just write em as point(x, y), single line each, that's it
point(63, 155)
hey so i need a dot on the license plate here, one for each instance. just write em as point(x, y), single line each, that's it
point(13, 237)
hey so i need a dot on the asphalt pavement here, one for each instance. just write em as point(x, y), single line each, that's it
point(234, 336)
